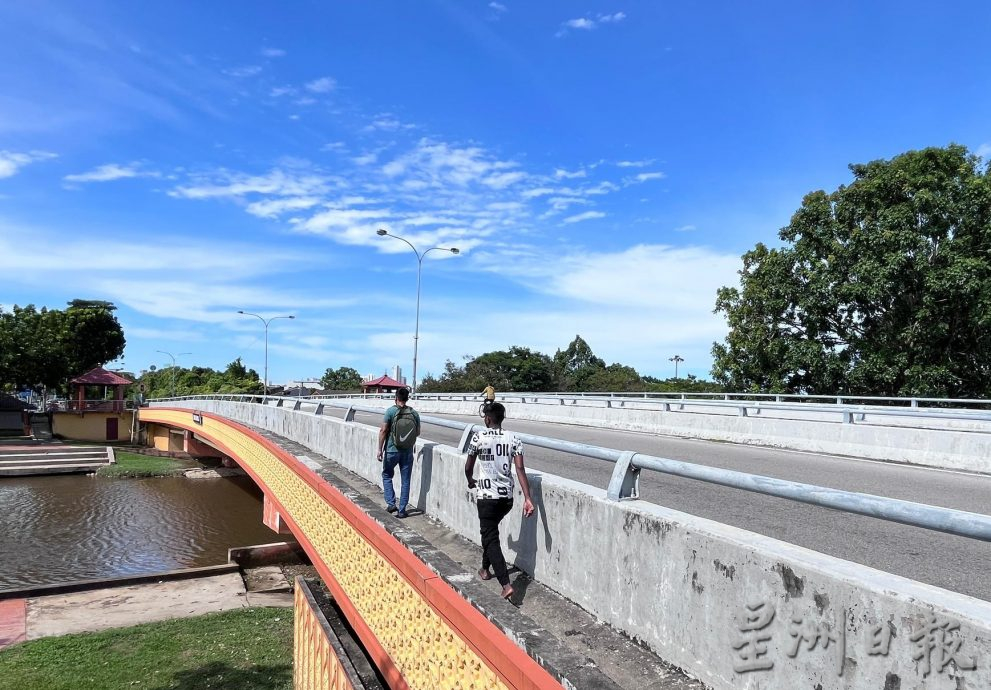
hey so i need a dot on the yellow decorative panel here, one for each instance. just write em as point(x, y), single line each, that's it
point(425, 650)
point(316, 665)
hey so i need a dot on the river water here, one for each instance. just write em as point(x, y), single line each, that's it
point(57, 529)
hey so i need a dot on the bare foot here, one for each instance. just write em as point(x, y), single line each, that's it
point(484, 574)
point(507, 591)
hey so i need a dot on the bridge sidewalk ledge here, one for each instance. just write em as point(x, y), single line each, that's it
point(574, 669)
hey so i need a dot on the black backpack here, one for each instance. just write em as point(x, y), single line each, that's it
point(404, 429)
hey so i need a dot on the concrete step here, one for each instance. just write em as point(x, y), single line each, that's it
point(87, 459)
point(27, 453)
point(53, 453)
point(23, 470)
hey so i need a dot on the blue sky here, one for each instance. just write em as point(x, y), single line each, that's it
point(600, 165)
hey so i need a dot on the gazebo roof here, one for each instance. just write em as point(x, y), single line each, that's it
point(383, 381)
point(99, 376)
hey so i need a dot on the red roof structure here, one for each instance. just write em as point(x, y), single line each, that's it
point(382, 384)
point(99, 376)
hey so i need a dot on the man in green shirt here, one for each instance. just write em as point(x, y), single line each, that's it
point(390, 455)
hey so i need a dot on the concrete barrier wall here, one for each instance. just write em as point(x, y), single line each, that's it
point(733, 608)
point(946, 449)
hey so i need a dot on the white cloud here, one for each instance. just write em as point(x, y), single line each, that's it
point(984, 150)
point(273, 52)
point(497, 6)
point(582, 23)
point(439, 164)
point(11, 162)
point(277, 182)
point(366, 158)
point(503, 180)
point(645, 177)
point(561, 173)
point(110, 172)
point(685, 228)
point(538, 192)
point(275, 207)
point(586, 24)
point(635, 164)
point(588, 215)
point(322, 85)
point(279, 91)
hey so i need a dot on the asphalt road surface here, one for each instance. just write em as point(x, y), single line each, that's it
point(954, 563)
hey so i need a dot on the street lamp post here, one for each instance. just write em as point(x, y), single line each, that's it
point(266, 322)
point(419, 267)
point(676, 359)
point(173, 365)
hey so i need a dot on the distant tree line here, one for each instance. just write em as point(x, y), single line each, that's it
point(576, 368)
point(47, 347)
point(236, 378)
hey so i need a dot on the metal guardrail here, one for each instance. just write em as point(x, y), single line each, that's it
point(628, 465)
point(691, 395)
point(846, 413)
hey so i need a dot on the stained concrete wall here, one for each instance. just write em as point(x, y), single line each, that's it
point(91, 426)
point(943, 448)
point(682, 585)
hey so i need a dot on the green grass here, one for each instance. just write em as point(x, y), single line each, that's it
point(246, 649)
point(135, 465)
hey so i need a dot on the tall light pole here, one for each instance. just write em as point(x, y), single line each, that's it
point(676, 359)
point(419, 267)
point(266, 322)
point(173, 365)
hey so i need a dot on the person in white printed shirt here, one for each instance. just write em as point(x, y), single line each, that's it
point(495, 450)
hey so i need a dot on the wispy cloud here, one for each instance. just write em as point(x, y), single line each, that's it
point(984, 150)
point(497, 6)
point(109, 172)
point(588, 215)
point(322, 85)
point(635, 164)
point(273, 52)
point(612, 18)
point(582, 23)
point(562, 174)
point(647, 176)
point(274, 207)
point(386, 123)
point(277, 182)
point(11, 162)
point(587, 23)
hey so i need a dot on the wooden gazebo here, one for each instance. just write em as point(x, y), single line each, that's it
point(98, 377)
point(383, 384)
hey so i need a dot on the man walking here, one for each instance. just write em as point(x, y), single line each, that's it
point(495, 449)
point(397, 437)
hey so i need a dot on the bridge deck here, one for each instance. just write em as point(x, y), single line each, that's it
point(566, 629)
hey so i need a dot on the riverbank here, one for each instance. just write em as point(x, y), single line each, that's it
point(130, 465)
point(188, 628)
point(247, 648)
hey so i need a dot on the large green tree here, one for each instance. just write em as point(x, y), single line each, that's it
point(50, 346)
point(881, 287)
point(578, 368)
point(341, 379)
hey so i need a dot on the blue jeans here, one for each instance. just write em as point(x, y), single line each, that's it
point(403, 458)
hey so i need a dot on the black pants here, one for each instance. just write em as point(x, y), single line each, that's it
point(490, 512)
